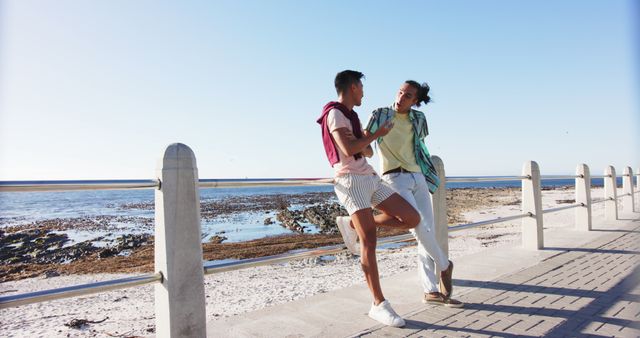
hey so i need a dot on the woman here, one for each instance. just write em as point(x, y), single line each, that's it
point(407, 168)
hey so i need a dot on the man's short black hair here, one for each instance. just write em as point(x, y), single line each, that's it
point(345, 79)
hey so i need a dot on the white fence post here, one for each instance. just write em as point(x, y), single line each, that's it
point(628, 203)
point(583, 195)
point(532, 234)
point(439, 202)
point(610, 194)
point(179, 299)
point(637, 182)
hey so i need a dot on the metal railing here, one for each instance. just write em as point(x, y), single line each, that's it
point(560, 177)
point(92, 288)
point(31, 186)
point(24, 186)
point(487, 222)
point(600, 200)
point(262, 182)
point(72, 185)
point(600, 176)
point(97, 287)
point(78, 290)
point(566, 207)
point(466, 179)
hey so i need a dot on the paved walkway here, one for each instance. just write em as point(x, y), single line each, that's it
point(591, 290)
point(580, 284)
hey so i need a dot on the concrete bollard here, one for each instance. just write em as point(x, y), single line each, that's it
point(583, 195)
point(439, 202)
point(637, 176)
point(628, 204)
point(610, 194)
point(179, 299)
point(532, 231)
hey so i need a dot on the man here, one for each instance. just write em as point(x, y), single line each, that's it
point(359, 188)
point(406, 166)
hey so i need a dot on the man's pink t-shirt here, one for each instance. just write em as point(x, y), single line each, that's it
point(347, 164)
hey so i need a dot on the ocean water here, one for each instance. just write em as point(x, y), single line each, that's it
point(19, 208)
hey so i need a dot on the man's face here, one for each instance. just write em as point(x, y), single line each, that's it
point(406, 98)
point(358, 93)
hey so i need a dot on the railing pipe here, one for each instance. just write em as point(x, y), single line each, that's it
point(72, 185)
point(487, 222)
point(484, 179)
point(26, 186)
point(599, 200)
point(179, 299)
point(77, 290)
point(583, 197)
point(41, 186)
point(558, 177)
point(532, 227)
point(610, 193)
point(266, 182)
point(575, 205)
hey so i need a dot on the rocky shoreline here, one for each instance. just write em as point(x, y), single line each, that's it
point(42, 248)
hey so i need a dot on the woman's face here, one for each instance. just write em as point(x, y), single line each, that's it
point(406, 98)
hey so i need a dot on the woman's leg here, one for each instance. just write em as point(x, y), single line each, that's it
point(412, 188)
point(428, 235)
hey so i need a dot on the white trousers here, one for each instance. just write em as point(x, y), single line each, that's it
point(431, 259)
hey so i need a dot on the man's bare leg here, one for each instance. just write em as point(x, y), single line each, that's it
point(397, 213)
point(366, 228)
point(404, 217)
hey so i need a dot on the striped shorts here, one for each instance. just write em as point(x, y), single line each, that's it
point(357, 192)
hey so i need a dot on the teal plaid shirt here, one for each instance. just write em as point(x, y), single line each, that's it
point(420, 131)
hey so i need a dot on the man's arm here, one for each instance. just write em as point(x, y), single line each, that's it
point(372, 127)
point(368, 151)
point(350, 145)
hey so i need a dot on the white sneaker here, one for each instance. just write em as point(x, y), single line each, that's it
point(349, 234)
point(384, 313)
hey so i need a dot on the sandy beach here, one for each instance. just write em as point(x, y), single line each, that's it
point(130, 312)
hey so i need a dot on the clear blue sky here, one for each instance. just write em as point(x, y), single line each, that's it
point(97, 89)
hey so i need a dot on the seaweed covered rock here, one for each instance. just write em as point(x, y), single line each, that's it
point(324, 216)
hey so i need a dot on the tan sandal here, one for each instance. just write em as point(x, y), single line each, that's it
point(437, 298)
